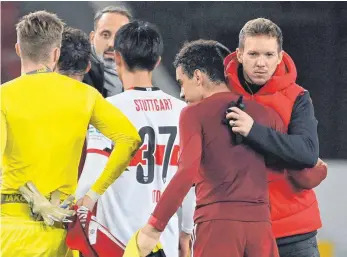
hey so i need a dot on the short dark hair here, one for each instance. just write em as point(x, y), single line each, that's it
point(140, 45)
point(112, 9)
point(75, 52)
point(204, 55)
point(261, 26)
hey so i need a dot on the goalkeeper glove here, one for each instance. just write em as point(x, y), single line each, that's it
point(41, 206)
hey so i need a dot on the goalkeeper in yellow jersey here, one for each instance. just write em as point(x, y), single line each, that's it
point(44, 116)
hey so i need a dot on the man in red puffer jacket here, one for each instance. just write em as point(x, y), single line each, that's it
point(262, 71)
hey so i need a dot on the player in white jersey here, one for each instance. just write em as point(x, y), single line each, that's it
point(127, 204)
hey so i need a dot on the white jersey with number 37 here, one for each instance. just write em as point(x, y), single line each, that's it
point(128, 203)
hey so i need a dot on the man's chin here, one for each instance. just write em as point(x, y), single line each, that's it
point(110, 63)
point(259, 81)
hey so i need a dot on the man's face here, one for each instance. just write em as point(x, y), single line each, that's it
point(190, 88)
point(103, 36)
point(259, 57)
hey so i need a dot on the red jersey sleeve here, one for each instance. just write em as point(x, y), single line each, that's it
point(188, 166)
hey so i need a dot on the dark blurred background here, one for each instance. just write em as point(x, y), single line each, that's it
point(315, 35)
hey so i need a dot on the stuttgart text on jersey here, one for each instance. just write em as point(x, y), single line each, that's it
point(153, 105)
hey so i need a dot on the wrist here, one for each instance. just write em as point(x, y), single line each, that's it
point(253, 130)
point(93, 195)
point(250, 128)
point(151, 231)
point(157, 224)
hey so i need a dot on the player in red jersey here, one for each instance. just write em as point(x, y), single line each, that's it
point(232, 215)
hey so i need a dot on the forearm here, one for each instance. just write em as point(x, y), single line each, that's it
point(188, 166)
point(112, 123)
point(299, 150)
point(171, 200)
point(309, 178)
point(117, 163)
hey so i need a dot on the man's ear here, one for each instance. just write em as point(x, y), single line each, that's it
point(198, 75)
point(239, 53)
point(89, 66)
point(91, 37)
point(16, 46)
point(158, 62)
point(118, 58)
point(56, 54)
point(280, 56)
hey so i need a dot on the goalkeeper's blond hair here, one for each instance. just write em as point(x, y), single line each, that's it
point(37, 34)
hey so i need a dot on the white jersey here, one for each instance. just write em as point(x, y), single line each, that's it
point(128, 203)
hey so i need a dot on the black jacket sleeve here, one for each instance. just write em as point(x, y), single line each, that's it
point(95, 77)
point(299, 148)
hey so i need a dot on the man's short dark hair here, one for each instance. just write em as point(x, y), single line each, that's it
point(204, 55)
point(75, 52)
point(112, 9)
point(140, 45)
point(258, 27)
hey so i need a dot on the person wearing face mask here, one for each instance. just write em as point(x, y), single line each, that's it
point(103, 75)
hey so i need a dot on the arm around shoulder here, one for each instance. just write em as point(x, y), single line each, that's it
point(299, 148)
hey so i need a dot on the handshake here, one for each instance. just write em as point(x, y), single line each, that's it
point(50, 211)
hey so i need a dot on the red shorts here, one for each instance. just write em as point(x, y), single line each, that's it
point(227, 238)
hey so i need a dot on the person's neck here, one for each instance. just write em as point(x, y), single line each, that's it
point(76, 77)
point(27, 66)
point(214, 89)
point(137, 79)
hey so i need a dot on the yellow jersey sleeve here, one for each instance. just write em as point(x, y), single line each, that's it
point(3, 128)
point(111, 122)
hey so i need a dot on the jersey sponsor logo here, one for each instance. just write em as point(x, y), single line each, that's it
point(95, 134)
point(152, 105)
point(93, 131)
point(97, 140)
point(12, 198)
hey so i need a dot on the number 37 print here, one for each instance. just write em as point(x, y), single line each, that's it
point(153, 156)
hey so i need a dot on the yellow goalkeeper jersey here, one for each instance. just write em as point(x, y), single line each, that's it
point(44, 121)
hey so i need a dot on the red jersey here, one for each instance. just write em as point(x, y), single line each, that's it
point(230, 180)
